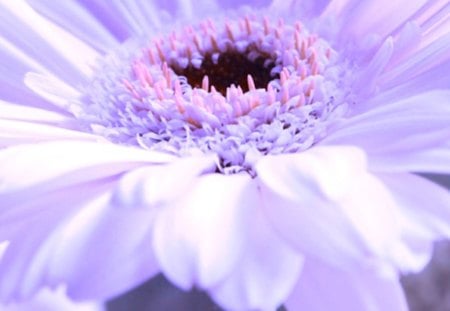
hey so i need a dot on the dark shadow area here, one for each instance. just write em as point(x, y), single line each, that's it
point(159, 295)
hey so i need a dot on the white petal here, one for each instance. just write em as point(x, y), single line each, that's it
point(52, 89)
point(18, 132)
point(199, 239)
point(425, 208)
point(63, 42)
point(77, 20)
point(425, 59)
point(102, 251)
point(398, 131)
point(326, 204)
point(54, 165)
point(10, 111)
point(322, 287)
point(28, 223)
point(52, 300)
point(361, 21)
point(265, 275)
point(159, 184)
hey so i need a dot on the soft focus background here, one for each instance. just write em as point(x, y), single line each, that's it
point(426, 291)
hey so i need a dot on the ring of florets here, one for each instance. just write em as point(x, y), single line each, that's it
point(247, 88)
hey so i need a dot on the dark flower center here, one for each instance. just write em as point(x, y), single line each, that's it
point(231, 68)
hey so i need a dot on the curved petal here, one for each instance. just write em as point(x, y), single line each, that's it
point(326, 204)
point(14, 112)
point(18, 132)
point(52, 300)
point(200, 238)
point(41, 33)
point(265, 275)
point(425, 207)
point(23, 266)
point(77, 20)
point(158, 185)
point(322, 287)
point(71, 162)
point(14, 64)
point(111, 246)
point(395, 131)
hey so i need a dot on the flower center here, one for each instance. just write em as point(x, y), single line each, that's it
point(231, 68)
point(239, 89)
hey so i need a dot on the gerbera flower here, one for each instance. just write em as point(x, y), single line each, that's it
point(260, 152)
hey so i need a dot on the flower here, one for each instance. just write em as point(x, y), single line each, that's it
point(261, 153)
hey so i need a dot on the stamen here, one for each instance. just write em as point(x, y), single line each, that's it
point(223, 88)
point(251, 83)
point(205, 83)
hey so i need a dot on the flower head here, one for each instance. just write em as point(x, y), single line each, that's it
point(263, 154)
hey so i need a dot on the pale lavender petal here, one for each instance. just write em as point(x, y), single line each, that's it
point(322, 287)
point(426, 59)
point(111, 246)
point(19, 132)
point(10, 111)
point(78, 21)
point(200, 239)
point(317, 196)
point(35, 36)
point(265, 274)
point(160, 184)
point(425, 204)
point(394, 132)
point(24, 264)
point(72, 162)
point(304, 9)
point(384, 22)
point(53, 300)
point(106, 14)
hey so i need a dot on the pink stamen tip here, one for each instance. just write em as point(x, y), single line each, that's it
point(205, 83)
point(310, 89)
point(160, 51)
point(151, 57)
point(266, 25)
point(229, 31)
point(303, 50)
point(159, 91)
point(271, 94)
point(298, 40)
point(313, 57)
point(251, 83)
point(180, 103)
point(132, 89)
point(214, 42)
point(284, 94)
point(248, 25)
point(197, 42)
point(315, 69)
point(173, 43)
point(211, 24)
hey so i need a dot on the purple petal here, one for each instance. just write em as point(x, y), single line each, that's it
point(397, 131)
point(323, 287)
point(200, 238)
point(318, 195)
point(160, 184)
point(266, 273)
